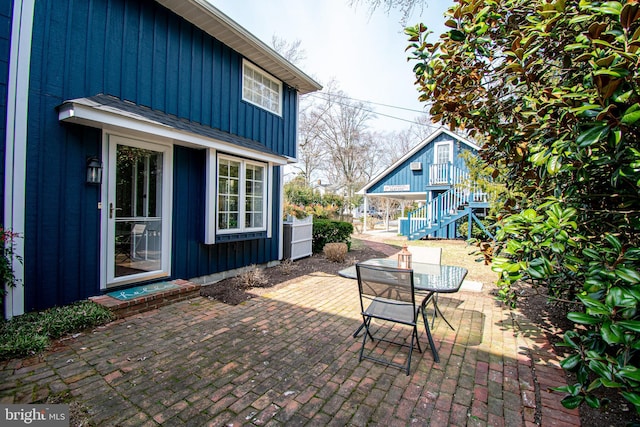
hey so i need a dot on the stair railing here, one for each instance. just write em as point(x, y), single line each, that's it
point(437, 210)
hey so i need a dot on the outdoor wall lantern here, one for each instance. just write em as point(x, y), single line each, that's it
point(404, 258)
point(94, 170)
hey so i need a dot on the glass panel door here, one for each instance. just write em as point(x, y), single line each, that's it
point(136, 212)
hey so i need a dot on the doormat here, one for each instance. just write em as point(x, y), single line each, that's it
point(142, 290)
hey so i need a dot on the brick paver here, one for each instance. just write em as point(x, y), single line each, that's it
point(288, 358)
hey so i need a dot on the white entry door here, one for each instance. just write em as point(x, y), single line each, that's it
point(138, 211)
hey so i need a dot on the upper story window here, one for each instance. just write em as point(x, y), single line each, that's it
point(443, 152)
point(241, 195)
point(261, 89)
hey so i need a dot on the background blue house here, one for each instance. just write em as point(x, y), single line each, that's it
point(435, 176)
point(183, 117)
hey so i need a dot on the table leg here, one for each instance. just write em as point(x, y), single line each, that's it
point(432, 344)
point(437, 309)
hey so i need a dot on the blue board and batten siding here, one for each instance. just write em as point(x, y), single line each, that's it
point(191, 257)
point(140, 52)
point(417, 180)
point(5, 51)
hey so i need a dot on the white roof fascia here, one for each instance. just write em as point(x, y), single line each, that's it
point(212, 21)
point(81, 112)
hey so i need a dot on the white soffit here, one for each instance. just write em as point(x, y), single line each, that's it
point(87, 112)
point(211, 20)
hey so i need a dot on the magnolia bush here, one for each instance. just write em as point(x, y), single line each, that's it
point(551, 88)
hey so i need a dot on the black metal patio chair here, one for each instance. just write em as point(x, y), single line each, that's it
point(387, 294)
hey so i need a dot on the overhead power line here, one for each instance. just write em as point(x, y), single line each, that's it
point(367, 102)
point(378, 113)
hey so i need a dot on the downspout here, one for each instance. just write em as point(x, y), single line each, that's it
point(365, 213)
point(281, 217)
point(16, 144)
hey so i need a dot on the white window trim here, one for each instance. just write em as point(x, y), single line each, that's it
point(439, 144)
point(247, 64)
point(242, 196)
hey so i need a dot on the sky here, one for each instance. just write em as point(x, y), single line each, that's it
point(363, 51)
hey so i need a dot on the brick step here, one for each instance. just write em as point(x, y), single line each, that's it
point(121, 309)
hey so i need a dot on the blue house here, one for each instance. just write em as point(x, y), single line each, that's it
point(143, 141)
point(435, 176)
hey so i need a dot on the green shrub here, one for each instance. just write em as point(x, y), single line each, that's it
point(560, 124)
point(327, 231)
point(31, 333)
point(463, 230)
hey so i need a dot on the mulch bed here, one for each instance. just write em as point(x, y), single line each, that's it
point(242, 288)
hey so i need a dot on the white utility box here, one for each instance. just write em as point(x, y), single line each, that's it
point(298, 238)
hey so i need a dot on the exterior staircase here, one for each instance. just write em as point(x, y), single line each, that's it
point(434, 218)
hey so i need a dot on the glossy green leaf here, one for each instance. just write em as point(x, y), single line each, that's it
point(632, 397)
point(572, 402)
point(592, 303)
point(628, 275)
point(457, 35)
point(614, 242)
point(592, 135)
point(631, 116)
point(583, 318)
point(554, 164)
point(591, 253)
point(630, 372)
point(611, 333)
point(632, 325)
point(592, 401)
point(611, 8)
point(595, 384)
point(611, 383)
point(619, 297)
point(571, 362)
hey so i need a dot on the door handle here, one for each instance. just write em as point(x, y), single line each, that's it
point(112, 209)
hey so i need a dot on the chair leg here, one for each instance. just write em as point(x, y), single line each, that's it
point(366, 322)
point(415, 332)
point(410, 352)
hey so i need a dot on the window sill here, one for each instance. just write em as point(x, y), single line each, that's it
point(236, 237)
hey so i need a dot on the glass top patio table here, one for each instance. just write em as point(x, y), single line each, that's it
point(426, 277)
point(428, 280)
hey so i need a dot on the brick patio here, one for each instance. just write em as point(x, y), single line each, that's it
point(289, 358)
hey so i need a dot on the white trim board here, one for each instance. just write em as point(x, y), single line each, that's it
point(97, 116)
point(16, 143)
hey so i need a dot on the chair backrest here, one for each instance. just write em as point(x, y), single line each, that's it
point(426, 255)
point(388, 283)
point(138, 229)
